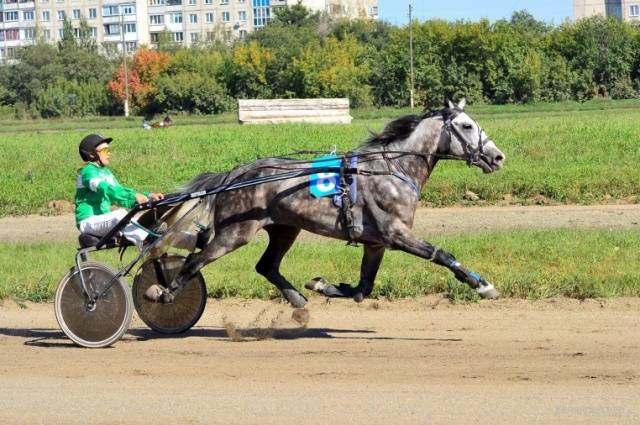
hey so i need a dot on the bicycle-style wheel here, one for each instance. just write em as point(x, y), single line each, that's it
point(188, 305)
point(88, 322)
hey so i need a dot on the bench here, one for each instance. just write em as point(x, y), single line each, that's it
point(277, 111)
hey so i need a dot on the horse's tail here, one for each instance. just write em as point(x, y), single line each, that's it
point(206, 181)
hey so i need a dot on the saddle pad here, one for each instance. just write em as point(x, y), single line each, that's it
point(324, 184)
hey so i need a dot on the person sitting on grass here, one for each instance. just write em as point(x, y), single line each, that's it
point(98, 191)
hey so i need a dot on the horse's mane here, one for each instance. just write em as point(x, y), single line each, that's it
point(401, 128)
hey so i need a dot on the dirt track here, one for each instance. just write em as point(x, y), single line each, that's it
point(428, 221)
point(414, 362)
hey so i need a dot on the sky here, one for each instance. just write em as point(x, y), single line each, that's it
point(550, 11)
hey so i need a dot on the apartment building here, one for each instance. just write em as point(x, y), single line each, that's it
point(129, 24)
point(628, 10)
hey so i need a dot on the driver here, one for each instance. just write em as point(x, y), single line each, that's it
point(98, 191)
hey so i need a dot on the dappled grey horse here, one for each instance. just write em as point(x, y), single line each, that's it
point(392, 168)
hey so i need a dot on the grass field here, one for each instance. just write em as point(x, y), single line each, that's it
point(522, 264)
point(568, 153)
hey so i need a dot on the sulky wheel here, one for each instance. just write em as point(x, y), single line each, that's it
point(100, 318)
point(188, 305)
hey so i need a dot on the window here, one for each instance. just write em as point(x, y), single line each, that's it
point(156, 2)
point(46, 34)
point(76, 32)
point(227, 35)
point(208, 1)
point(634, 10)
point(29, 33)
point(209, 17)
point(155, 37)
point(242, 16)
point(192, 2)
point(261, 13)
point(129, 28)
point(243, 34)
point(193, 18)
point(11, 16)
point(94, 32)
point(156, 19)
point(195, 37)
point(174, 2)
point(211, 36)
point(76, 13)
point(111, 10)
point(224, 1)
point(28, 15)
point(226, 16)
point(61, 33)
point(61, 15)
point(46, 16)
point(613, 8)
point(241, 1)
point(131, 46)
point(112, 29)
point(93, 13)
point(44, 1)
point(129, 9)
point(373, 11)
point(178, 36)
point(176, 18)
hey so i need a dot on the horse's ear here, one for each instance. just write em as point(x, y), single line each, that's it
point(451, 105)
point(462, 104)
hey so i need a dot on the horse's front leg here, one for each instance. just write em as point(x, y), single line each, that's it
point(371, 260)
point(403, 239)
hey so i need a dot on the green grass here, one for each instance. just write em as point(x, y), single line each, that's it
point(522, 264)
point(569, 153)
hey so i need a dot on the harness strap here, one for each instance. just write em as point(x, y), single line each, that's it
point(408, 181)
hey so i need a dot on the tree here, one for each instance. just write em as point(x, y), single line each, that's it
point(142, 75)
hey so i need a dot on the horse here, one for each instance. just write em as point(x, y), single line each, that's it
point(166, 122)
point(393, 167)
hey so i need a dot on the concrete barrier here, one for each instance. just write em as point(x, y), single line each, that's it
point(276, 111)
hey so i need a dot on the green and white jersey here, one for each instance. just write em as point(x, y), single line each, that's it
point(97, 189)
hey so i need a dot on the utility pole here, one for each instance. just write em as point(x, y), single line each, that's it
point(411, 52)
point(126, 71)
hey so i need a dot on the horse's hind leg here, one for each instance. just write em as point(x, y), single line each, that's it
point(232, 237)
point(281, 238)
point(371, 260)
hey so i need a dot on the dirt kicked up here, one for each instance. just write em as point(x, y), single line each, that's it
point(414, 362)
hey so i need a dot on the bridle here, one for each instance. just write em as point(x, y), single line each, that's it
point(473, 155)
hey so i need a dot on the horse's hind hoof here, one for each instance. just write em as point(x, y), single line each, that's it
point(153, 293)
point(358, 297)
point(317, 284)
point(488, 292)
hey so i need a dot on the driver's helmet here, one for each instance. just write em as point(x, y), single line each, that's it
point(89, 144)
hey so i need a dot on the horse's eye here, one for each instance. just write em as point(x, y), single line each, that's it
point(467, 126)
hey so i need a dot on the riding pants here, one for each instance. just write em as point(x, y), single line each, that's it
point(100, 225)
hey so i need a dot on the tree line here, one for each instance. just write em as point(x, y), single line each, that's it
point(301, 54)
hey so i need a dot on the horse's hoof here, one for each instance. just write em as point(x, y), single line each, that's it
point(301, 316)
point(153, 293)
point(295, 298)
point(316, 284)
point(488, 292)
point(358, 297)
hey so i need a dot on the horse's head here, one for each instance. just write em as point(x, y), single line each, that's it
point(465, 139)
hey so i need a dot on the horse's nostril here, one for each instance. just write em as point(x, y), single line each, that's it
point(499, 158)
